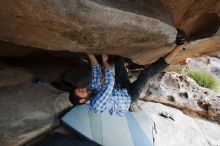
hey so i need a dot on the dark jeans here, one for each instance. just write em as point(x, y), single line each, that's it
point(136, 88)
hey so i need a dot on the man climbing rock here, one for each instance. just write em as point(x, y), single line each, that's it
point(117, 93)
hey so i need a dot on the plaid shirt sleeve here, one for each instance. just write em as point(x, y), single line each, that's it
point(99, 102)
point(96, 73)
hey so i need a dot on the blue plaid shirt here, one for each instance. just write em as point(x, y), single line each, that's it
point(107, 98)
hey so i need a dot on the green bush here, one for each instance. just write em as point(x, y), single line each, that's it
point(204, 79)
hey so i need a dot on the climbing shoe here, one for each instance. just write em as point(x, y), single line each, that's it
point(181, 37)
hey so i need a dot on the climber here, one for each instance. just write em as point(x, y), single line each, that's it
point(117, 93)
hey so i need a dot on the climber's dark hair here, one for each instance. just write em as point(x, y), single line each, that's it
point(73, 98)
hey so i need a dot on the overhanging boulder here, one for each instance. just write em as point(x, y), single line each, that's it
point(140, 30)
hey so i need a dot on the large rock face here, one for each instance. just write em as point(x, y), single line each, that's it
point(140, 30)
point(179, 91)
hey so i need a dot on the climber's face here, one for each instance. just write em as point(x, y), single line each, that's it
point(83, 93)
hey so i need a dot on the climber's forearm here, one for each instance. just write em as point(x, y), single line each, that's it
point(106, 66)
point(92, 59)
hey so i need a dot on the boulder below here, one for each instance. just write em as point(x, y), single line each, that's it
point(14, 76)
point(28, 110)
point(179, 129)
